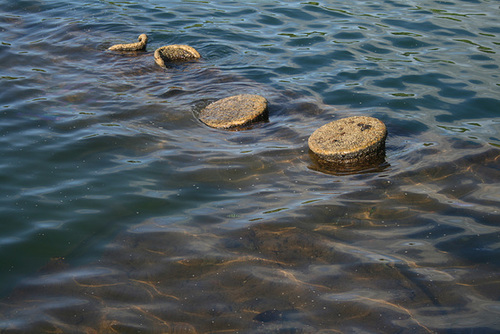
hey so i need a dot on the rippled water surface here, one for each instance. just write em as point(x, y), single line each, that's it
point(121, 212)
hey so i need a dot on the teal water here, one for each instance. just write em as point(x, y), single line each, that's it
point(121, 212)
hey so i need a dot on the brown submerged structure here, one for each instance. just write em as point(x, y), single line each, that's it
point(175, 52)
point(345, 145)
point(235, 112)
point(349, 142)
point(138, 46)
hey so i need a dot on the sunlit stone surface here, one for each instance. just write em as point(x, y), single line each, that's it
point(138, 46)
point(172, 53)
point(352, 140)
point(235, 111)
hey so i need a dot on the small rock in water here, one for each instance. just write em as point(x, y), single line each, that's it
point(138, 46)
point(349, 141)
point(235, 111)
point(176, 52)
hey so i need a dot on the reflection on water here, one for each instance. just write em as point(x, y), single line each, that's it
point(123, 213)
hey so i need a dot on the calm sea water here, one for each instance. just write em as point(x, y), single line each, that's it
point(122, 213)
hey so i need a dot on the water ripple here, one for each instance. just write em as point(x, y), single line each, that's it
point(122, 212)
